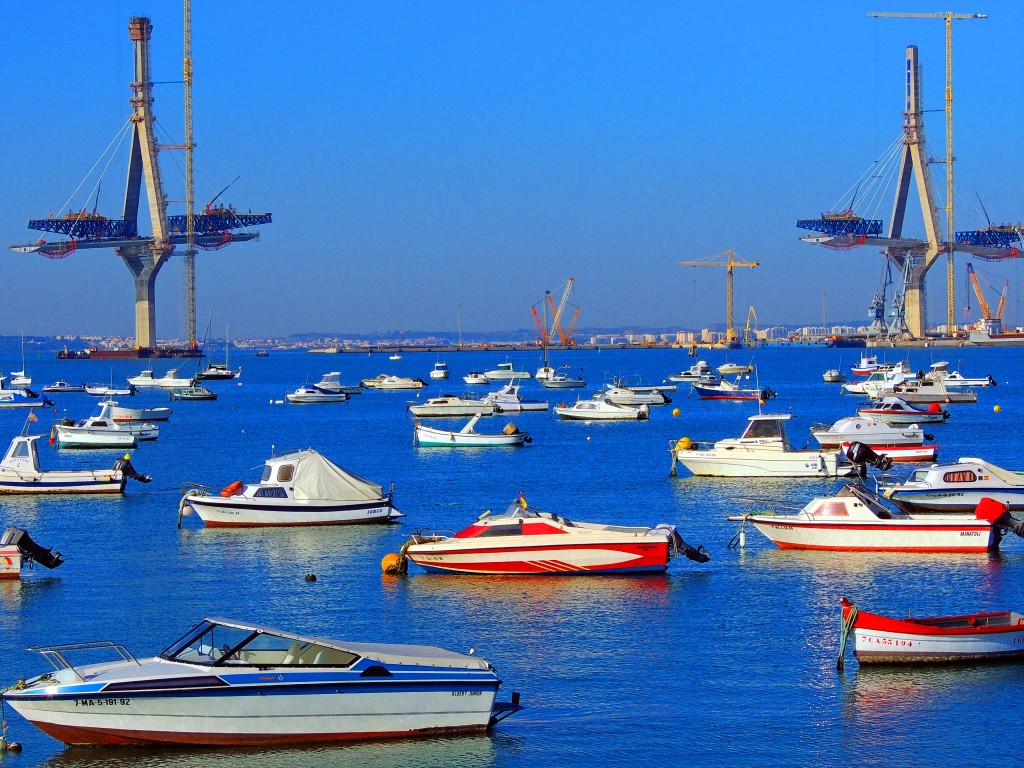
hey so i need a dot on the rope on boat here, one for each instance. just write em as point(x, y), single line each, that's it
point(739, 539)
point(846, 627)
point(182, 505)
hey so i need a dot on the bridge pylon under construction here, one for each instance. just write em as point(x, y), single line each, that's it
point(843, 229)
point(143, 255)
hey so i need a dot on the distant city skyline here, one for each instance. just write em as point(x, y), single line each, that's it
point(422, 156)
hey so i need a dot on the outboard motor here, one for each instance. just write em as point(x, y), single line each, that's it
point(861, 455)
point(678, 546)
point(29, 549)
point(998, 514)
point(125, 466)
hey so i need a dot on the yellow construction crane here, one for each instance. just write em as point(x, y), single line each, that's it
point(949, 17)
point(729, 263)
point(190, 192)
point(751, 315)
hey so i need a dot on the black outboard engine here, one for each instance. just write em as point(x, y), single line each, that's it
point(29, 549)
point(125, 466)
point(861, 455)
point(678, 545)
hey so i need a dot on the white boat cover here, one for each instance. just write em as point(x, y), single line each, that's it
point(319, 478)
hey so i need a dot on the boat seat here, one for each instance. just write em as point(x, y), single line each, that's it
point(294, 651)
point(321, 658)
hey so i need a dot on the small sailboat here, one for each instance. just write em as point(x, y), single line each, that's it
point(220, 371)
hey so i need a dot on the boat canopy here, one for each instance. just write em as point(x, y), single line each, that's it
point(316, 477)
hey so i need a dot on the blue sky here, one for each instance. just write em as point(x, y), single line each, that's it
point(416, 155)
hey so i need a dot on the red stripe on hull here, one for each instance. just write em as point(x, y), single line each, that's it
point(116, 736)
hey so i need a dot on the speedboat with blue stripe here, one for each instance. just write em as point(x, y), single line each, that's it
point(230, 683)
point(957, 487)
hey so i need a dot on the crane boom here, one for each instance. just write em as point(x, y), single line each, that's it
point(730, 262)
point(977, 291)
point(1002, 300)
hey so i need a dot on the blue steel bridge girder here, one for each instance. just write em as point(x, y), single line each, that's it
point(843, 227)
point(122, 229)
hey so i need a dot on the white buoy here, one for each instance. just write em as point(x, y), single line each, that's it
point(743, 538)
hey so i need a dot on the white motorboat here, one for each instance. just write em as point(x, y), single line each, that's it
point(101, 431)
point(169, 380)
point(61, 385)
point(957, 487)
point(308, 394)
point(475, 377)
point(331, 382)
point(905, 444)
point(104, 419)
point(194, 391)
point(391, 382)
point(20, 473)
point(17, 548)
point(450, 405)
point(602, 410)
point(468, 437)
point(523, 541)
point(623, 396)
point(20, 379)
point(563, 379)
point(20, 397)
point(108, 390)
point(734, 369)
point(302, 488)
point(233, 683)
point(506, 372)
point(545, 373)
point(395, 356)
point(868, 364)
point(856, 520)
point(895, 410)
point(728, 390)
point(954, 379)
point(833, 376)
point(508, 400)
point(123, 415)
point(699, 371)
point(763, 450)
point(924, 391)
point(440, 370)
point(882, 378)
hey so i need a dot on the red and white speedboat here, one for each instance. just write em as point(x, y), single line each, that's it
point(868, 364)
point(857, 520)
point(940, 639)
point(524, 540)
point(905, 444)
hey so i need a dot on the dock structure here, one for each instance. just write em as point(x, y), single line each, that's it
point(912, 257)
point(143, 255)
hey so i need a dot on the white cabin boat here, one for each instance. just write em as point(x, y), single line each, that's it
point(562, 379)
point(395, 356)
point(20, 473)
point(734, 369)
point(508, 400)
point(957, 487)
point(475, 377)
point(954, 379)
point(233, 683)
point(763, 450)
point(699, 371)
point(624, 396)
point(121, 414)
point(868, 364)
point(390, 382)
point(916, 391)
point(602, 410)
point(101, 430)
point(440, 370)
point(169, 380)
point(882, 378)
point(506, 372)
point(868, 431)
point(856, 520)
point(301, 488)
point(331, 382)
point(468, 437)
point(309, 394)
point(450, 405)
point(895, 410)
point(108, 390)
point(61, 385)
point(833, 376)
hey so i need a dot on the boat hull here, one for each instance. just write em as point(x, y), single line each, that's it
point(262, 715)
point(109, 481)
point(904, 453)
point(437, 438)
point(121, 415)
point(218, 512)
point(740, 462)
point(948, 536)
point(550, 557)
point(83, 438)
point(10, 563)
point(895, 417)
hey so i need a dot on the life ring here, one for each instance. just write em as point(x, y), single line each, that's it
point(232, 489)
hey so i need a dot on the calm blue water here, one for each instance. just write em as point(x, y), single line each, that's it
point(722, 664)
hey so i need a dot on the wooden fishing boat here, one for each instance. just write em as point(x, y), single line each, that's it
point(973, 637)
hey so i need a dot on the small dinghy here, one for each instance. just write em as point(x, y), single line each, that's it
point(973, 637)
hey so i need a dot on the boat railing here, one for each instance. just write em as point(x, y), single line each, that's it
point(426, 537)
point(56, 654)
point(750, 503)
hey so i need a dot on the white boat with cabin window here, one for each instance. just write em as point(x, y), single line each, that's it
point(20, 473)
point(169, 380)
point(475, 377)
point(451, 405)
point(763, 450)
point(440, 370)
point(301, 488)
point(506, 372)
point(602, 410)
point(508, 400)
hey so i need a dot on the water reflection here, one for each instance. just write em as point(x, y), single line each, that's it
point(454, 752)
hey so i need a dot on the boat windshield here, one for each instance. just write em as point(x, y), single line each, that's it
point(765, 428)
point(212, 644)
